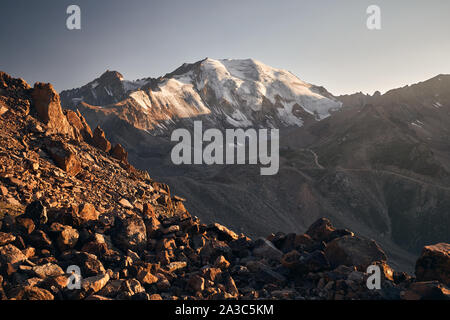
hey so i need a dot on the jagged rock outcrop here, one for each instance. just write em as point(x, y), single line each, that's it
point(79, 124)
point(99, 140)
point(47, 104)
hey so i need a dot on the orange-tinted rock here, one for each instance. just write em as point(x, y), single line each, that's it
point(426, 290)
point(32, 293)
point(87, 212)
point(99, 140)
point(48, 107)
point(119, 153)
point(64, 157)
point(80, 125)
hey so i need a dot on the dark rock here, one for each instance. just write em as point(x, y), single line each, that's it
point(131, 234)
point(67, 236)
point(37, 212)
point(428, 290)
point(31, 293)
point(307, 262)
point(196, 283)
point(321, 229)
point(434, 263)
point(10, 254)
point(353, 251)
point(265, 249)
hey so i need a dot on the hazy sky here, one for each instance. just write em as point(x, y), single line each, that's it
point(322, 42)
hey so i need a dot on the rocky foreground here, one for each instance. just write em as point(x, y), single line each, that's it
point(70, 198)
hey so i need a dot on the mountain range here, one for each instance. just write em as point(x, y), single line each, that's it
point(378, 164)
point(79, 222)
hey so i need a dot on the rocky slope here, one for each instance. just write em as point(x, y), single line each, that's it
point(68, 198)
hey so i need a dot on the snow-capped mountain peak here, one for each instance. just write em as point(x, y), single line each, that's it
point(228, 92)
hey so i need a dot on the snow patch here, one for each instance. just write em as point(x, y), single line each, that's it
point(245, 84)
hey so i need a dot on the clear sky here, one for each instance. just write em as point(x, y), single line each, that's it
point(322, 42)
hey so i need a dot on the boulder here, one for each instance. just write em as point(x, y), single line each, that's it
point(231, 286)
point(39, 239)
point(3, 191)
point(67, 237)
point(152, 226)
point(176, 265)
point(89, 264)
point(32, 293)
point(321, 229)
point(146, 277)
point(26, 225)
point(126, 204)
point(131, 234)
point(48, 270)
point(85, 212)
point(434, 263)
point(48, 108)
point(64, 157)
point(353, 251)
point(221, 263)
point(94, 284)
point(131, 287)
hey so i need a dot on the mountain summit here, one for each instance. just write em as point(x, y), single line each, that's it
point(226, 93)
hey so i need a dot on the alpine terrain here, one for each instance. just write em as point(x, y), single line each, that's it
point(376, 164)
point(78, 221)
